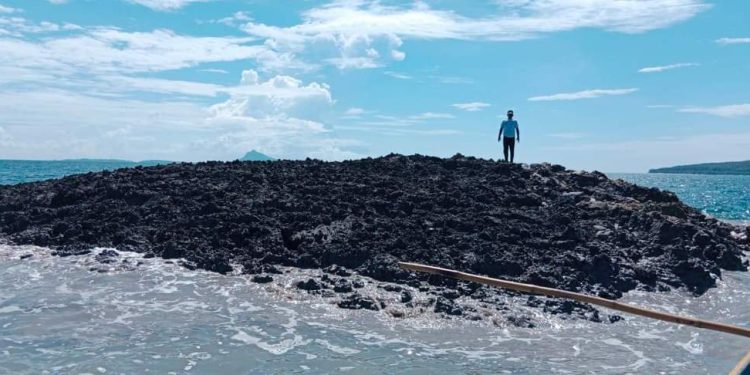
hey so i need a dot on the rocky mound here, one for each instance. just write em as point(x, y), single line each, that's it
point(542, 224)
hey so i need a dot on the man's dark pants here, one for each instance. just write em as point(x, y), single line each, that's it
point(509, 143)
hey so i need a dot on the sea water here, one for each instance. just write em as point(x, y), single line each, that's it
point(75, 315)
point(723, 197)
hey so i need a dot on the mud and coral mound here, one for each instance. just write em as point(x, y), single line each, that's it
point(541, 224)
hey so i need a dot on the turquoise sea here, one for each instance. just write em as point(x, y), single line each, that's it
point(19, 171)
point(75, 315)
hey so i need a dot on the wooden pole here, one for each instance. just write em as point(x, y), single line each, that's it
point(614, 305)
point(742, 366)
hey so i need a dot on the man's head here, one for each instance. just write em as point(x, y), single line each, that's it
point(510, 114)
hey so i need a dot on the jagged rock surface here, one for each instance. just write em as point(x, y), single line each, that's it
point(542, 224)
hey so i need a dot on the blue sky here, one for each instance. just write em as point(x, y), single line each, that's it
point(616, 86)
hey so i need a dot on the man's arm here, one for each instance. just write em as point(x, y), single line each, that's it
point(518, 133)
point(500, 133)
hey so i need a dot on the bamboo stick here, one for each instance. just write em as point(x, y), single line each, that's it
point(614, 305)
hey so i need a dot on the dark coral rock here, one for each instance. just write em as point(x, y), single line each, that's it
point(262, 279)
point(309, 284)
point(357, 301)
point(544, 224)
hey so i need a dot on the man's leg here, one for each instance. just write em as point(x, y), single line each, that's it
point(505, 148)
point(512, 146)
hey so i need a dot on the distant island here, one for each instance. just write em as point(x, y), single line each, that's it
point(730, 167)
point(256, 156)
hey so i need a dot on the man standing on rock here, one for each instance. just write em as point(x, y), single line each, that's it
point(510, 133)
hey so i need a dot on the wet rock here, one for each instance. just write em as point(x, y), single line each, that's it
point(392, 288)
point(520, 321)
point(262, 279)
point(356, 301)
point(188, 264)
point(26, 256)
point(446, 306)
point(451, 294)
point(406, 296)
point(309, 284)
point(342, 286)
point(337, 270)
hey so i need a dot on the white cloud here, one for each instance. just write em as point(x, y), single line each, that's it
point(397, 75)
point(280, 96)
point(663, 68)
point(234, 20)
point(123, 84)
point(728, 41)
point(165, 5)
point(735, 110)
point(112, 50)
point(18, 26)
point(347, 30)
point(354, 111)
point(432, 116)
point(8, 10)
point(280, 115)
point(219, 71)
point(471, 107)
point(586, 94)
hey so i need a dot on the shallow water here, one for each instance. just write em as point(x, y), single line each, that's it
point(75, 315)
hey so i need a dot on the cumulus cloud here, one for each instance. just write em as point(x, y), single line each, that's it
point(280, 115)
point(586, 94)
point(728, 41)
point(281, 95)
point(367, 34)
point(734, 110)
point(664, 68)
point(471, 107)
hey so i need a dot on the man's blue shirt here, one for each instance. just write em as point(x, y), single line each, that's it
point(509, 128)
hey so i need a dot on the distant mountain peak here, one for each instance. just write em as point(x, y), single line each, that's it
point(254, 155)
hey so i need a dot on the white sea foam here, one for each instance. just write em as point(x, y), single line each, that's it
point(164, 318)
